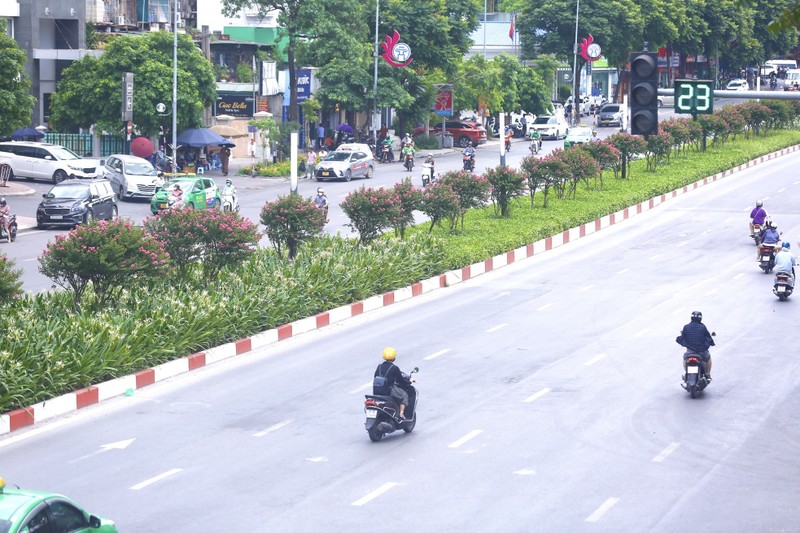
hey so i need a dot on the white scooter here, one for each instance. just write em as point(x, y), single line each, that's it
point(230, 202)
point(428, 174)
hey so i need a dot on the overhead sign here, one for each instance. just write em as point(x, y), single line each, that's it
point(590, 50)
point(396, 53)
point(443, 106)
point(303, 83)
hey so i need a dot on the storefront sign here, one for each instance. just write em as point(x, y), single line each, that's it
point(236, 105)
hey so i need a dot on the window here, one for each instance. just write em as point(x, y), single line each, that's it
point(67, 517)
point(38, 523)
point(41, 153)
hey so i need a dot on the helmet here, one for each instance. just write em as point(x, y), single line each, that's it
point(3, 201)
point(389, 354)
point(697, 316)
point(759, 203)
point(320, 190)
point(469, 143)
point(228, 181)
point(786, 245)
point(177, 187)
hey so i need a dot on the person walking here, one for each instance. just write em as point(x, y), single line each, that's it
point(224, 157)
point(311, 162)
point(320, 136)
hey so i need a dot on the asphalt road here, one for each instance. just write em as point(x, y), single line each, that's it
point(550, 401)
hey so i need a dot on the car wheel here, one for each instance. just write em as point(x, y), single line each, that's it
point(369, 173)
point(59, 176)
point(121, 192)
point(190, 206)
point(39, 225)
point(463, 142)
point(114, 213)
point(348, 175)
point(88, 217)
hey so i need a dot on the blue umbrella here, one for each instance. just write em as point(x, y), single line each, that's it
point(199, 137)
point(25, 134)
point(345, 128)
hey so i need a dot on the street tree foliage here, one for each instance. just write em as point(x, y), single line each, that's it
point(16, 102)
point(90, 91)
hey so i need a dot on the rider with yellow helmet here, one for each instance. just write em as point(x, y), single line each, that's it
point(392, 374)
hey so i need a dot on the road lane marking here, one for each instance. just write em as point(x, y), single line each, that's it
point(586, 288)
point(500, 295)
point(603, 509)
point(277, 426)
point(666, 452)
point(120, 445)
point(30, 260)
point(683, 243)
point(642, 332)
point(739, 275)
point(375, 493)
point(499, 326)
point(538, 395)
point(526, 472)
point(436, 354)
point(363, 387)
point(654, 257)
point(595, 359)
point(159, 477)
point(712, 291)
point(782, 189)
point(545, 306)
point(623, 270)
point(469, 436)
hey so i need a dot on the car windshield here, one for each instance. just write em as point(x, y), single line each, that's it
point(580, 133)
point(63, 154)
point(139, 168)
point(545, 120)
point(186, 185)
point(69, 192)
point(610, 109)
point(338, 156)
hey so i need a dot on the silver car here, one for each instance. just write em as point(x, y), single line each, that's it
point(131, 176)
point(610, 115)
point(346, 165)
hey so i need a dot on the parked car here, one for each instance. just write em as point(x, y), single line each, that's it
point(610, 115)
point(737, 85)
point(666, 101)
point(74, 201)
point(578, 135)
point(131, 176)
point(463, 131)
point(550, 126)
point(198, 193)
point(346, 165)
point(45, 161)
point(27, 511)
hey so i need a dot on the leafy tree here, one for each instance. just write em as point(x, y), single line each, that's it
point(628, 146)
point(90, 90)
point(370, 211)
point(408, 199)
point(15, 99)
point(440, 202)
point(10, 280)
point(267, 128)
point(659, 147)
point(472, 190)
point(290, 221)
point(507, 183)
point(606, 156)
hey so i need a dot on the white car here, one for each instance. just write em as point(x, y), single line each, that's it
point(131, 176)
point(737, 85)
point(551, 126)
point(45, 161)
point(346, 165)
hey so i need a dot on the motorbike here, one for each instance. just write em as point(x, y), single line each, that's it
point(508, 144)
point(382, 411)
point(756, 235)
point(784, 285)
point(408, 161)
point(535, 146)
point(11, 236)
point(174, 202)
point(695, 380)
point(229, 202)
point(386, 154)
point(428, 175)
point(767, 258)
point(469, 162)
point(773, 84)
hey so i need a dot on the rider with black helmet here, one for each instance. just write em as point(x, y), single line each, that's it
point(697, 340)
point(5, 216)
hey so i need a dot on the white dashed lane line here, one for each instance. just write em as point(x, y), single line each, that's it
point(666, 452)
point(363, 387)
point(538, 395)
point(586, 288)
point(466, 438)
point(275, 427)
point(436, 354)
point(739, 275)
point(623, 270)
point(595, 359)
point(374, 494)
point(545, 306)
point(157, 478)
point(495, 328)
point(603, 509)
point(500, 295)
point(782, 189)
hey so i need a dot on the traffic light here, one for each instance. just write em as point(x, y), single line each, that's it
point(644, 93)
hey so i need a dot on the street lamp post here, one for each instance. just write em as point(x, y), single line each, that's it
point(375, 79)
point(575, 80)
point(175, 87)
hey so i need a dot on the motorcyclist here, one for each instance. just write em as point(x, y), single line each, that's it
point(536, 139)
point(387, 142)
point(430, 161)
point(757, 216)
point(407, 139)
point(394, 377)
point(770, 236)
point(230, 189)
point(408, 150)
point(697, 340)
point(509, 134)
point(176, 199)
point(784, 260)
point(5, 216)
point(321, 200)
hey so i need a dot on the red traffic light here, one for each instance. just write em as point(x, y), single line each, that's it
point(644, 65)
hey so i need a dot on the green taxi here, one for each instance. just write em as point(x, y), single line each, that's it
point(199, 192)
point(28, 511)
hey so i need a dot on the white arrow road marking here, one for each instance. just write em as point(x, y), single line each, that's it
point(361, 388)
point(545, 306)
point(500, 295)
point(666, 452)
point(317, 459)
point(598, 514)
point(436, 354)
point(526, 472)
point(495, 328)
point(277, 426)
point(538, 395)
point(595, 359)
point(159, 477)
point(469, 436)
point(374, 494)
point(120, 445)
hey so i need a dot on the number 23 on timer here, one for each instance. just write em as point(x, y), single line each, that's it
point(694, 96)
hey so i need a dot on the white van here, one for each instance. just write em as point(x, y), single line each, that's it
point(793, 76)
point(781, 63)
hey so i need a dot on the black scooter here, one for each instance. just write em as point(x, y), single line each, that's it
point(12, 229)
point(383, 411)
point(783, 286)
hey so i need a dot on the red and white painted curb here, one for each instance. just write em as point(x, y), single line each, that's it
point(73, 401)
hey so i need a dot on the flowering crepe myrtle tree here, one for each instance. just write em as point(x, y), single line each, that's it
point(606, 156)
point(371, 211)
point(107, 255)
point(290, 221)
point(659, 147)
point(678, 129)
point(440, 202)
point(472, 190)
point(507, 183)
point(10, 280)
point(628, 146)
point(408, 200)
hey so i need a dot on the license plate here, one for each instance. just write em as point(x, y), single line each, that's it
point(765, 258)
point(162, 206)
point(693, 370)
point(57, 217)
point(781, 288)
point(325, 173)
point(372, 413)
